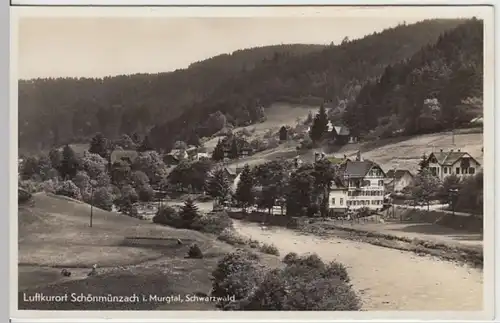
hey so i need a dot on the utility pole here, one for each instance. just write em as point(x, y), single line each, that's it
point(91, 203)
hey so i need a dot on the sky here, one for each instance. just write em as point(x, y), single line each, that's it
point(90, 46)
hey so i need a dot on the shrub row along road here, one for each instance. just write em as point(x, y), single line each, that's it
point(386, 279)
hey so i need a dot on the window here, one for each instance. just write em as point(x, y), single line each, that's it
point(380, 183)
point(457, 170)
point(333, 201)
point(464, 170)
point(437, 169)
point(341, 201)
point(373, 202)
point(472, 170)
point(445, 170)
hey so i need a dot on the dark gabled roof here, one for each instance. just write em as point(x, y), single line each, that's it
point(398, 174)
point(357, 168)
point(118, 155)
point(448, 158)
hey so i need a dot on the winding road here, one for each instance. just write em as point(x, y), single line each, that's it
point(386, 279)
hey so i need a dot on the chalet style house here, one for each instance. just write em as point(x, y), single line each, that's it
point(342, 135)
point(360, 185)
point(398, 179)
point(443, 164)
point(244, 148)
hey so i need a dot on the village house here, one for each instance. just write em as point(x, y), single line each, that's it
point(364, 181)
point(338, 197)
point(399, 179)
point(443, 164)
point(244, 148)
point(200, 156)
point(342, 135)
point(123, 155)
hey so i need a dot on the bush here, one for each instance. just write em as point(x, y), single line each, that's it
point(336, 269)
point(306, 284)
point(50, 186)
point(145, 193)
point(195, 252)
point(128, 195)
point(103, 198)
point(69, 189)
point(30, 186)
point(214, 223)
point(23, 196)
point(291, 258)
point(167, 215)
point(270, 249)
point(232, 238)
point(237, 274)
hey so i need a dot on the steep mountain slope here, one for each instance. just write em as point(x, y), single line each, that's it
point(333, 74)
point(440, 87)
point(55, 111)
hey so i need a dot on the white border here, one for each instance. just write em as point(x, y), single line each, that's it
point(484, 13)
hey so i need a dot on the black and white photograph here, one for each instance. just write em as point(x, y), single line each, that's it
point(295, 159)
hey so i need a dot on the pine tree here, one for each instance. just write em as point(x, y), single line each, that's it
point(423, 164)
point(55, 158)
point(218, 186)
point(234, 152)
point(99, 145)
point(145, 145)
point(320, 125)
point(189, 213)
point(245, 189)
point(218, 153)
point(69, 163)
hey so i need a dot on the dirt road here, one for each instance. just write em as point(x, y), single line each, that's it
point(386, 279)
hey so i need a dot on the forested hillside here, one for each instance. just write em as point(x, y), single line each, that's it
point(440, 87)
point(55, 111)
point(177, 104)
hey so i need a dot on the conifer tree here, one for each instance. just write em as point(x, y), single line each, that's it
point(218, 186)
point(189, 213)
point(218, 153)
point(245, 189)
point(320, 125)
point(423, 163)
point(99, 145)
point(69, 163)
point(234, 153)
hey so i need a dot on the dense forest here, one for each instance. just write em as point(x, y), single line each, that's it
point(233, 88)
point(440, 87)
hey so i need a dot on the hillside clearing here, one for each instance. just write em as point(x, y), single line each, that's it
point(404, 153)
point(277, 115)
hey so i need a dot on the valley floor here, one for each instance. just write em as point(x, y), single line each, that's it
point(386, 279)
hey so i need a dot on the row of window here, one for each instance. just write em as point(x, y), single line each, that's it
point(366, 193)
point(365, 202)
point(459, 170)
point(358, 202)
point(366, 182)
